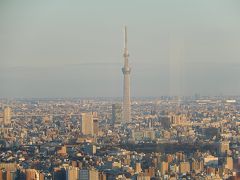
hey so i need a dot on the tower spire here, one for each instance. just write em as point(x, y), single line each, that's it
point(125, 37)
point(126, 55)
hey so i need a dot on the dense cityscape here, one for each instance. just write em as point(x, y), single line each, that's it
point(168, 138)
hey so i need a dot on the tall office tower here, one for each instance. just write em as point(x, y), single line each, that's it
point(7, 116)
point(87, 123)
point(95, 123)
point(126, 114)
point(116, 113)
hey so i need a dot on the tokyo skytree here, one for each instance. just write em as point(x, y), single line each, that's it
point(126, 113)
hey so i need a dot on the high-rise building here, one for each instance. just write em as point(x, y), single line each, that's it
point(116, 113)
point(72, 173)
point(95, 123)
point(142, 176)
point(102, 176)
point(8, 170)
point(7, 116)
point(197, 165)
point(8, 174)
point(90, 174)
point(87, 123)
point(164, 167)
point(126, 115)
point(41, 176)
point(138, 167)
point(150, 172)
point(31, 174)
point(229, 163)
point(223, 147)
point(184, 167)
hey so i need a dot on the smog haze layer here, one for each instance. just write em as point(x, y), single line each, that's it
point(75, 48)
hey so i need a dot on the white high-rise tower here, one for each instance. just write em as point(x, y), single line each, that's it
point(126, 116)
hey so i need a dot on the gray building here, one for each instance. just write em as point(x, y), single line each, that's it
point(116, 113)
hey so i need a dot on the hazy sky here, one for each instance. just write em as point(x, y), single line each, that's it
point(74, 48)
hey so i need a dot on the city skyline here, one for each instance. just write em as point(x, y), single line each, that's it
point(120, 90)
point(179, 48)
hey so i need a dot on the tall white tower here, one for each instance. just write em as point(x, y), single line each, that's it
point(126, 116)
